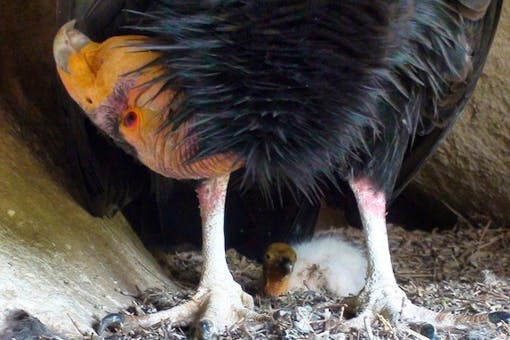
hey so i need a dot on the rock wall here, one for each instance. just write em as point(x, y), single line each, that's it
point(56, 261)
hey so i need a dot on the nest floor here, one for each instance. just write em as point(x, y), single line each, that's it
point(463, 270)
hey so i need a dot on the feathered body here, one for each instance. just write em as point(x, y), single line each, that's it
point(327, 261)
point(305, 91)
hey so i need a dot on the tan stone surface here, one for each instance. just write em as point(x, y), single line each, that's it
point(56, 261)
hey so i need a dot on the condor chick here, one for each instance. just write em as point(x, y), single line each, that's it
point(325, 262)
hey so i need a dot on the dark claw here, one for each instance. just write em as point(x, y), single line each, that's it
point(428, 330)
point(497, 317)
point(110, 320)
point(204, 330)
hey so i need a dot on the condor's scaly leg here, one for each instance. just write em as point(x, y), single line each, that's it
point(381, 294)
point(115, 84)
point(219, 301)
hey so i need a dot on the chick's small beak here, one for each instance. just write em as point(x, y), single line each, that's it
point(285, 266)
point(67, 42)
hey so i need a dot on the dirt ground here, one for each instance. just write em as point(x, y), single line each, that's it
point(463, 270)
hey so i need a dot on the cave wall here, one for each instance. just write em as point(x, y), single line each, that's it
point(56, 261)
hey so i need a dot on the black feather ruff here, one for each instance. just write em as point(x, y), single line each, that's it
point(289, 86)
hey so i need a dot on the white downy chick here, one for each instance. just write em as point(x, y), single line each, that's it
point(326, 261)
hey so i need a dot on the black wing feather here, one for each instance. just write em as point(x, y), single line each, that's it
point(455, 64)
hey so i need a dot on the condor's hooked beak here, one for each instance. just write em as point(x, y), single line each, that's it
point(67, 42)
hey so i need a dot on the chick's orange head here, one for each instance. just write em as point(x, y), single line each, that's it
point(279, 261)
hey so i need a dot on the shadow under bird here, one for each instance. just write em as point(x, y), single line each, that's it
point(301, 95)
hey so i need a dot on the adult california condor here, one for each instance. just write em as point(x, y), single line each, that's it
point(163, 211)
point(298, 93)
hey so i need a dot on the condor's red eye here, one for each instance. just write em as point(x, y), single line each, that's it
point(130, 119)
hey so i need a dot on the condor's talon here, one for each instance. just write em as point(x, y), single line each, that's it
point(501, 316)
point(204, 330)
point(111, 319)
point(428, 330)
point(377, 299)
point(208, 329)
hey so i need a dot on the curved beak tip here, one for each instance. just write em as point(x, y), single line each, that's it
point(68, 40)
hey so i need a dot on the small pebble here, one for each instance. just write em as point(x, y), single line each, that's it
point(11, 213)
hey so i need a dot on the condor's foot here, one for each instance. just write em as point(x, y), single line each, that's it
point(211, 311)
point(392, 303)
point(381, 294)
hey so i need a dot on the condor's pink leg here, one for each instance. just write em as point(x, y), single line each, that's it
point(219, 301)
point(381, 294)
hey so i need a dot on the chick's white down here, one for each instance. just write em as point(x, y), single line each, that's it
point(327, 261)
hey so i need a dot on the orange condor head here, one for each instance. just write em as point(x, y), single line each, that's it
point(118, 85)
